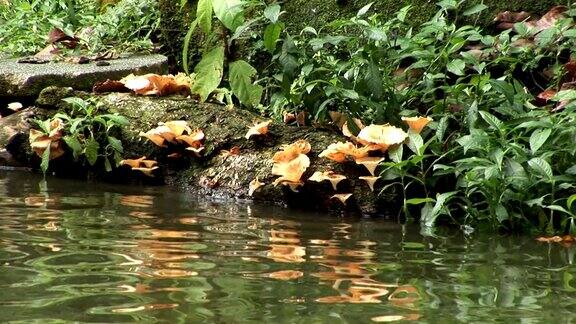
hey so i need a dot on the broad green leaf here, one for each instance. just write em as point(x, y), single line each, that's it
point(116, 144)
point(501, 213)
point(442, 127)
point(373, 80)
point(229, 12)
point(415, 142)
point(117, 119)
point(209, 73)
point(565, 95)
point(504, 88)
point(76, 102)
point(492, 120)
point(74, 144)
point(538, 138)
point(204, 15)
point(91, 150)
point(570, 201)
point(541, 167)
point(402, 13)
point(241, 74)
point(186, 45)
point(456, 66)
point(272, 12)
point(429, 216)
point(475, 9)
point(395, 153)
point(472, 115)
point(45, 159)
point(364, 10)
point(271, 36)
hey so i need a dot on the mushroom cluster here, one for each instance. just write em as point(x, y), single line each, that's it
point(157, 85)
point(258, 129)
point(367, 147)
point(41, 141)
point(290, 164)
point(142, 165)
point(176, 132)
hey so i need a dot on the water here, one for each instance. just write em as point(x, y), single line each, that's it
point(71, 251)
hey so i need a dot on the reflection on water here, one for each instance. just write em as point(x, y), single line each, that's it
point(84, 252)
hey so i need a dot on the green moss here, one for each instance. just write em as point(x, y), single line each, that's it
point(301, 13)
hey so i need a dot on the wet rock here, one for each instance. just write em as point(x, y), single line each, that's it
point(27, 80)
point(227, 176)
point(14, 150)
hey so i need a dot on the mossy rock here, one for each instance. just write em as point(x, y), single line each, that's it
point(217, 175)
point(316, 13)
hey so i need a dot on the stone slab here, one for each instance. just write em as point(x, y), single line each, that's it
point(27, 80)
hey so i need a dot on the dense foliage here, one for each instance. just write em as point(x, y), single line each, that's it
point(100, 25)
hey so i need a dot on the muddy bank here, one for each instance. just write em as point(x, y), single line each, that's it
point(213, 174)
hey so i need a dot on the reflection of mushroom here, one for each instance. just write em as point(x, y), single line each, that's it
point(371, 163)
point(258, 129)
point(334, 178)
point(254, 185)
point(338, 152)
point(370, 181)
point(380, 137)
point(342, 197)
point(286, 274)
point(416, 124)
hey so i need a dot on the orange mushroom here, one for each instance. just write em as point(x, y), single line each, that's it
point(370, 181)
point(141, 164)
point(194, 139)
point(291, 151)
point(380, 137)
point(416, 124)
point(370, 162)
point(154, 84)
point(339, 152)
point(258, 129)
point(331, 176)
point(293, 185)
point(178, 127)
point(286, 274)
point(342, 197)
point(254, 185)
point(292, 170)
point(146, 171)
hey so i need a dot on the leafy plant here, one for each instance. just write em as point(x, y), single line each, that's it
point(87, 134)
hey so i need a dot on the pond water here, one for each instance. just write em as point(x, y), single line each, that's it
point(74, 251)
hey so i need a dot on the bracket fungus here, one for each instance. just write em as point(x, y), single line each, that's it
point(291, 163)
point(380, 137)
point(416, 124)
point(160, 85)
point(142, 165)
point(339, 152)
point(331, 176)
point(343, 198)
point(40, 141)
point(369, 162)
point(258, 129)
point(370, 181)
point(176, 132)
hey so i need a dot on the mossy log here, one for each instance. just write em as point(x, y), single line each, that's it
point(215, 174)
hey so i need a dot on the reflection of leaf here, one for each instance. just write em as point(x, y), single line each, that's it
point(209, 73)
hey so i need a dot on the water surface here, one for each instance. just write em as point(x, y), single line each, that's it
point(73, 251)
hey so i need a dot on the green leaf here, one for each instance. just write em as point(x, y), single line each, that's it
point(76, 102)
point(117, 119)
point(501, 213)
point(565, 95)
point(570, 201)
point(395, 153)
point(45, 159)
point(91, 150)
point(271, 36)
point(492, 120)
point(272, 12)
point(76, 124)
point(186, 45)
point(418, 201)
point(209, 73)
point(74, 144)
point(116, 144)
point(415, 142)
point(541, 167)
point(229, 12)
point(456, 66)
point(364, 10)
point(504, 88)
point(204, 15)
point(475, 9)
point(240, 81)
point(538, 138)
point(107, 165)
point(442, 127)
point(429, 215)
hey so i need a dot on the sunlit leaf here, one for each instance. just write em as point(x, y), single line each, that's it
point(241, 84)
point(209, 73)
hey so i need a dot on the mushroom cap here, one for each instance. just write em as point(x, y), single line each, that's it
point(338, 152)
point(416, 124)
point(258, 129)
point(287, 182)
point(370, 181)
point(178, 127)
point(331, 176)
point(370, 162)
point(194, 139)
point(146, 171)
point(254, 185)
point(133, 163)
point(346, 131)
point(342, 197)
point(381, 136)
point(291, 151)
point(292, 170)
